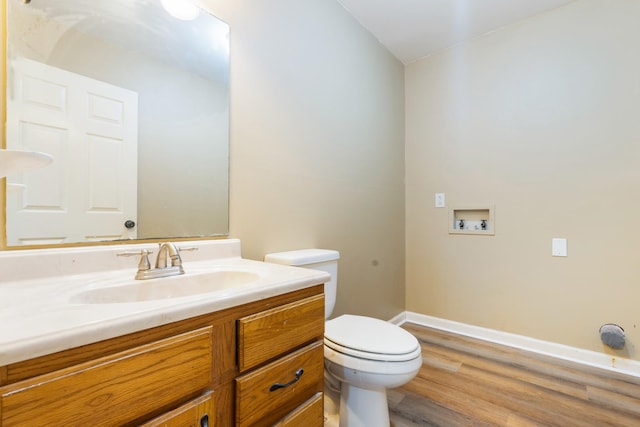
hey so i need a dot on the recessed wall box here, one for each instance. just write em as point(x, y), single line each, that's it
point(472, 220)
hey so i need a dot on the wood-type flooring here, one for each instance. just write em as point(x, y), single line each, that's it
point(470, 382)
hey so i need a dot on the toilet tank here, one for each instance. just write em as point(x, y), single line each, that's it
point(317, 259)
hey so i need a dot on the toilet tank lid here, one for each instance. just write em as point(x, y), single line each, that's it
point(302, 256)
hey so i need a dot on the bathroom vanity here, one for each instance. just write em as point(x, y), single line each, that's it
point(247, 355)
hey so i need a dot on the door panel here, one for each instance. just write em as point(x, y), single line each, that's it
point(91, 129)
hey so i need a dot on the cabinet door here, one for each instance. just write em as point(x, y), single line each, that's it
point(309, 414)
point(197, 413)
point(113, 390)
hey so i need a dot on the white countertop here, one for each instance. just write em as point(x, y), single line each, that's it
point(38, 315)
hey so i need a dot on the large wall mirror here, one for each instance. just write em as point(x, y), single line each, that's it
point(131, 98)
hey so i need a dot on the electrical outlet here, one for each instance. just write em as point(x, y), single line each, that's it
point(558, 247)
point(439, 200)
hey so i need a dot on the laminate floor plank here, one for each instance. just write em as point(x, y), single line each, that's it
point(489, 388)
point(418, 411)
point(470, 382)
point(462, 402)
point(539, 364)
point(514, 372)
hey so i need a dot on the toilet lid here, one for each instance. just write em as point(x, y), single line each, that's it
point(370, 338)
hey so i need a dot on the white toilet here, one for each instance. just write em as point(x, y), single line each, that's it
point(363, 356)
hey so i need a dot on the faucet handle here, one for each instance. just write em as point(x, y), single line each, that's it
point(144, 258)
point(188, 249)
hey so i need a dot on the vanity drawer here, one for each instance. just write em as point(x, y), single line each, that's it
point(115, 389)
point(310, 413)
point(258, 403)
point(270, 333)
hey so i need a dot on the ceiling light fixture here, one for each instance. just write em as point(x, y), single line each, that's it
point(181, 9)
point(17, 161)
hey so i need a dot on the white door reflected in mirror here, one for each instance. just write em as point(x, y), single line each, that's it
point(92, 129)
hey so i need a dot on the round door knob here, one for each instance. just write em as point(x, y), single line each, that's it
point(129, 224)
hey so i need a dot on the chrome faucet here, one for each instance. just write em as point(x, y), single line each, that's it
point(169, 249)
point(162, 269)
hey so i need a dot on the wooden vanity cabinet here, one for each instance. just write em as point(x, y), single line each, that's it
point(185, 373)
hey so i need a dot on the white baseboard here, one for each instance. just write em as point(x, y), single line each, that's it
point(586, 357)
point(399, 319)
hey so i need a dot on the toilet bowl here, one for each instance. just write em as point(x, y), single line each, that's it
point(368, 356)
point(364, 356)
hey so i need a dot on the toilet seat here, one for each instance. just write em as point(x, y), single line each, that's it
point(376, 357)
point(371, 339)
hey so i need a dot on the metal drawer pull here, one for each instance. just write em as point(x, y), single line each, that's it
point(204, 421)
point(278, 385)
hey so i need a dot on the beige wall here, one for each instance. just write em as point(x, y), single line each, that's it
point(541, 119)
point(317, 144)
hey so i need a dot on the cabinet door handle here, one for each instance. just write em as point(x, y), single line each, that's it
point(204, 421)
point(276, 386)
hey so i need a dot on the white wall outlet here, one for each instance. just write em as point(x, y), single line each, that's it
point(558, 247)
point(439, 200)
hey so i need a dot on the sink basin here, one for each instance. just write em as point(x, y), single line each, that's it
point(166, 287)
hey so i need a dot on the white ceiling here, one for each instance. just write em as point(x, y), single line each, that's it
point(413, 29)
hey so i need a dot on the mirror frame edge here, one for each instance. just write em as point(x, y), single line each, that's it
point(3, 117)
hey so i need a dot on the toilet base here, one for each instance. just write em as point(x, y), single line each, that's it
point(361, 407)
point(331, 401)
point(331, 420)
